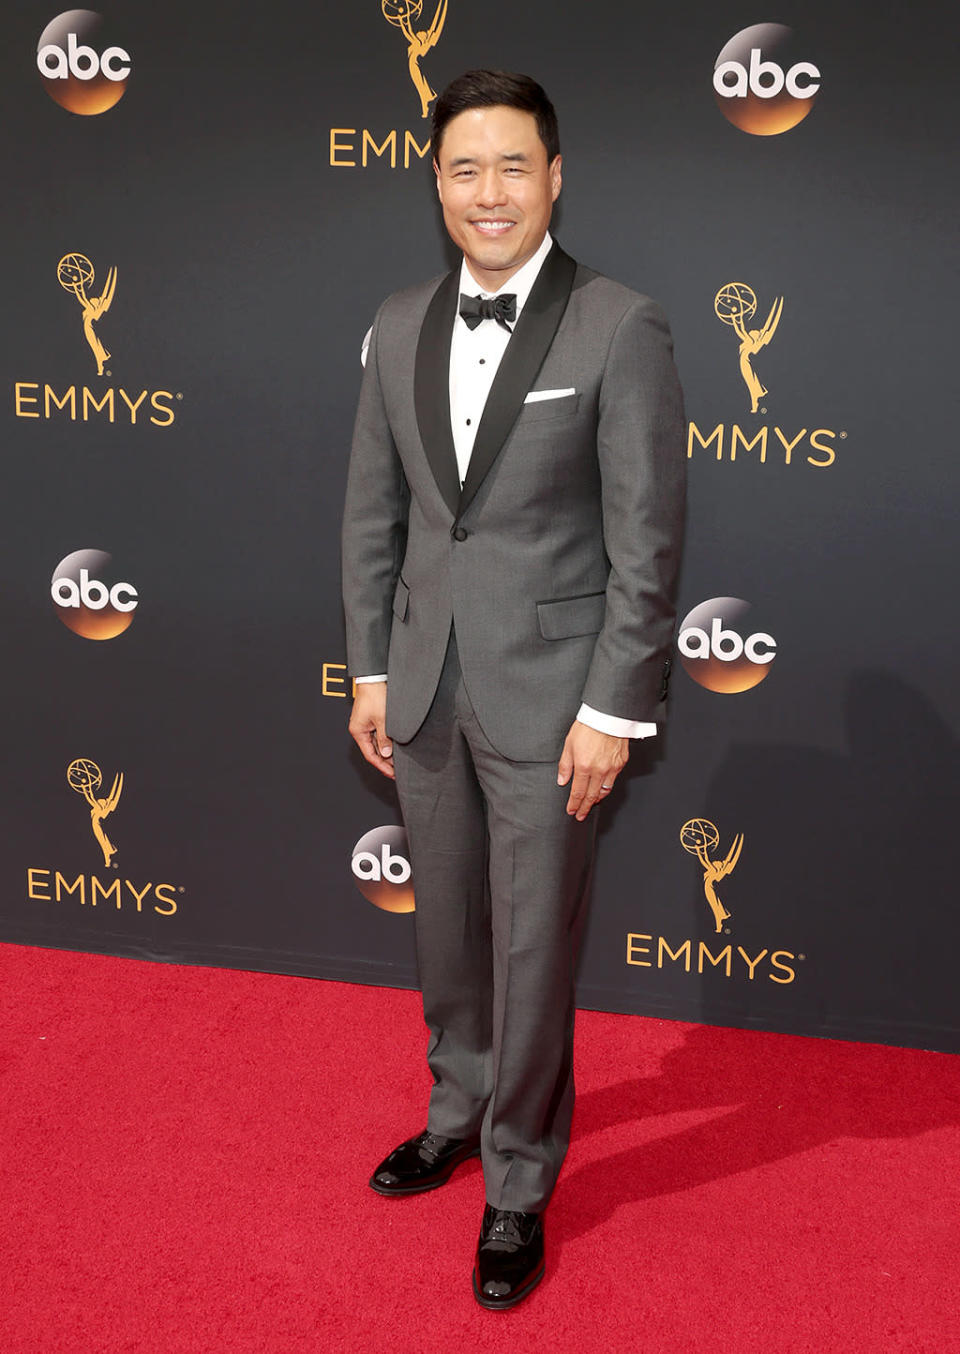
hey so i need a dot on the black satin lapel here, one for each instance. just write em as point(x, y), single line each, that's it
point(431, 388)
point(532, 336)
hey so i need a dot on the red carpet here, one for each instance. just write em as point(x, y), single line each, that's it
point(185, 1155)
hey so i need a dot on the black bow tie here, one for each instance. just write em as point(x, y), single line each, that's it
point(502, 308)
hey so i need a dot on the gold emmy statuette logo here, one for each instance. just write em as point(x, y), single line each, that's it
point(75, 274)
point(403, 14)
point(85, 776)
point(735, 304)
point(699, 836)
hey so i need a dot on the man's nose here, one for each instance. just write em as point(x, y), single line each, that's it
point(490, 189)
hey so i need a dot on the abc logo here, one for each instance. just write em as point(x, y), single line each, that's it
point(720, 651)
point(80, 70)
point(87, 601)
point(758, 85)
point(381, 869)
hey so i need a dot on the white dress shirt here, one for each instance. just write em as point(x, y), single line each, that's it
point(475, 356)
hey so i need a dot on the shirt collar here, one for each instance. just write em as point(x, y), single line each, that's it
point(521, 283)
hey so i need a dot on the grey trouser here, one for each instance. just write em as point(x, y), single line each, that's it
point(501, 875)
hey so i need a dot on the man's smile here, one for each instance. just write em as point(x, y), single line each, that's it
point(495, 227)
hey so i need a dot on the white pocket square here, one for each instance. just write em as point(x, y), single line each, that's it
point(535, 395)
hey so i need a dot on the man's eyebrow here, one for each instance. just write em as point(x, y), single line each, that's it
point(513, 156)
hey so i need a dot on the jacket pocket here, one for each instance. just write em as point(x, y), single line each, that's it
point(538, 410)
point(570, 616)
point(400, 599)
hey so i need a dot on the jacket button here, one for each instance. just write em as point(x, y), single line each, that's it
point(459, 533)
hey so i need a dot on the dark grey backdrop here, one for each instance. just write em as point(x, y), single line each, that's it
point(249, 268)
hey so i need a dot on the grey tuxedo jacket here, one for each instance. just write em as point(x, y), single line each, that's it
point(556, 561)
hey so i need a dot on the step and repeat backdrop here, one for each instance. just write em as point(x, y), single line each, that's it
point(203, 205)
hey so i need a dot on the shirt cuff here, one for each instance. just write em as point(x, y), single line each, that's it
point(380, 677)
point(619, 728)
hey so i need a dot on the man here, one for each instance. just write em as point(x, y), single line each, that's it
point(511, 540)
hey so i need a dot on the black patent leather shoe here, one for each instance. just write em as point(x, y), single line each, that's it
point(422, 1163)
point(509, 1262)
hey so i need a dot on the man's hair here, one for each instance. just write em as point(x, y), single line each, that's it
point(496, 89)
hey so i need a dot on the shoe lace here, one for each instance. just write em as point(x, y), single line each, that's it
point(433, 1143)
point(505, 1228)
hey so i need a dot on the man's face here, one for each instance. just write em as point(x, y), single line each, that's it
point(496, 188)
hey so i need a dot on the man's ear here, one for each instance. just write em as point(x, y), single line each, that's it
point(556, 176)
point(436, 170)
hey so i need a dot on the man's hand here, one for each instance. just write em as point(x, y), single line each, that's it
point(368, 725)
point(593, 760)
